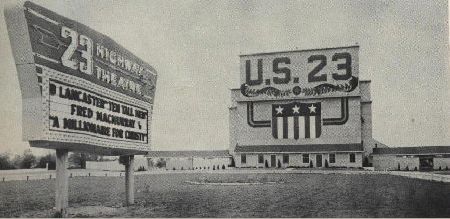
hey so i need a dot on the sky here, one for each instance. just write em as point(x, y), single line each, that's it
point(195, 47)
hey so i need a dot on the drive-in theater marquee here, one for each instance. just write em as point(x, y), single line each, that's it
point(80, 89)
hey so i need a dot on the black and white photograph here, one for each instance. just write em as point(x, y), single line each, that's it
point(224, 109)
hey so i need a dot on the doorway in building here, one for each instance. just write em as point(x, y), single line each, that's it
point(319, 160)
point(273, 161)
point(425, 163)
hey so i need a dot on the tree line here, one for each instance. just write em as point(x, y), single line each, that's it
point(28, 160)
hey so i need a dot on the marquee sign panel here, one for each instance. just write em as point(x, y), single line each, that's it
point(81, 90)
point(300, 74)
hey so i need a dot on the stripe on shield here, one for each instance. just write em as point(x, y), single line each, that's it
point(290, 121)
point(274, 128)
point(285, 127)
point(295, 127)
point(312, 126)
point(318, 126)
point(307, 127)
point(301, 126)
point(280, 127)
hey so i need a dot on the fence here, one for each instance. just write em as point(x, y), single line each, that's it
point(50, 174)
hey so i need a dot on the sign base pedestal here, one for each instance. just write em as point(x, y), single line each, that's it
point(62, 182)
point(129, 179)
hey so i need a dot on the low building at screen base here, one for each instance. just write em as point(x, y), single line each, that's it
point(412, 158)
point(140, 163)
point(281, 156)
point(190, 160)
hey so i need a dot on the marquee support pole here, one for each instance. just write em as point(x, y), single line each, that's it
point(129, 180)
point(62, 182)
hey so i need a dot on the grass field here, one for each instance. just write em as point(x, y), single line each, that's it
point(294, 195)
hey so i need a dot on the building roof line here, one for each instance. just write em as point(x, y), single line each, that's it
point(400, 154)
point(422, 150)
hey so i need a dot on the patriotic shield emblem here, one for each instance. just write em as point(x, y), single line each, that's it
point(296, 120)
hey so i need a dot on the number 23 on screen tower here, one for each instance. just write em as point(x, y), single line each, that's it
point(300, 74)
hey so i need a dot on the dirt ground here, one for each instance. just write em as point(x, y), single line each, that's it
point(280, 195)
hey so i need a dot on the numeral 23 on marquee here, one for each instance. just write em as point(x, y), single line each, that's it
point(86, 51)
